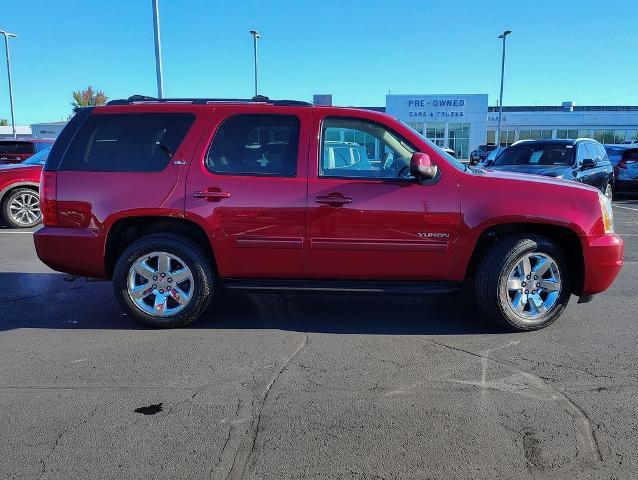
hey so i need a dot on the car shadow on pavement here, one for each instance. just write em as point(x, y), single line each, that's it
point(49, 300)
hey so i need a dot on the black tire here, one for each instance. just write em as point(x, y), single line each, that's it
point(492, 276)
point(191, 254)
point(6, 203)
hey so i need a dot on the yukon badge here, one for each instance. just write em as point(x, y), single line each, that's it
point(432, 235)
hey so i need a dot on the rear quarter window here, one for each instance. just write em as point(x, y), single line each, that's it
point(141, 142)
point(16, 148)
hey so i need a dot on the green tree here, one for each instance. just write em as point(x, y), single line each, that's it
point(88, 98)
point(4, 122)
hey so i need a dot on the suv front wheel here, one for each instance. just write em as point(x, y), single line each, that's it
point(523, 282)
point(163, 281)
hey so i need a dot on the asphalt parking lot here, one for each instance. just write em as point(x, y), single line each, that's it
point(312, 386)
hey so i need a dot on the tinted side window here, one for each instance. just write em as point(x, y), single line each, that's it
point(594, 154)
point(602, 154)
point(582, 153)
point(255, 145)
point(142, 142)
point(17, 148)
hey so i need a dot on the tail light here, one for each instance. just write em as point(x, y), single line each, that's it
point(624, 162)
point(48, 198)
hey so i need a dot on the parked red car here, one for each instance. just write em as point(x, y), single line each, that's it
point(16, 151)
point(19, 186)
point(173, 199)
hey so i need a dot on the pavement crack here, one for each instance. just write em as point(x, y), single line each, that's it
point(61, 434)
point(587, 446)
point(246, 450)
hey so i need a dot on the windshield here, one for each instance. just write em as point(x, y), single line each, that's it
point(454, 161)
point(536, 155)
point(37, 159)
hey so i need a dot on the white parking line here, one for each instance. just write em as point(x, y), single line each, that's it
point(626, 208)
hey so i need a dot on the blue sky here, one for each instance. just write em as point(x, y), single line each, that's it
point(583, 51)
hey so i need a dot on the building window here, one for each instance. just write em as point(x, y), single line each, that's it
point(631, 135)
point(418, 126)
point(436, 133)
point(584, 134)
point(507, 137)
point(564, 134)
point(619, 136)
point(535, 135)
point(459, 139)
point(609, 136)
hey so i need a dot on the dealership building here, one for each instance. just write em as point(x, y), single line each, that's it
point(463, 122)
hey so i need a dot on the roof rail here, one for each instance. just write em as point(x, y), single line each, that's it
point(204, 101)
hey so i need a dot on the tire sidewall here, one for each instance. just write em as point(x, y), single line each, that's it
point(535, 245)
point(6, 213)
point(190, 255)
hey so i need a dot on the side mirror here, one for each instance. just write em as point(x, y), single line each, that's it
point(422, 167)
point(588, 163)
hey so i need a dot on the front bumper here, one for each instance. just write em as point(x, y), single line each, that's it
point(603, 260)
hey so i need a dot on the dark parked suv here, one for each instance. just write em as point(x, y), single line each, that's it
point(175, 199)
point(583, 160)
point(481, 153)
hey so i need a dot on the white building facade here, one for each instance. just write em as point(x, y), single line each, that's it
point(456, 121)
point(463, 122)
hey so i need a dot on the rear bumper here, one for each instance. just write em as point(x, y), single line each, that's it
point(77, 251)
point(603, 261)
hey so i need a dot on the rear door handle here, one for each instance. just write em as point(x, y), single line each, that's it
point(211, 195)
point(333, 199)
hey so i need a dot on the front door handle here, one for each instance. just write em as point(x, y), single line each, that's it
point(212, 196)
point(333, 199)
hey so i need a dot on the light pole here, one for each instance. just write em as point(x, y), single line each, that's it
point(256, 36)
point(500, 101)
point(6, 46)
point(158, 50)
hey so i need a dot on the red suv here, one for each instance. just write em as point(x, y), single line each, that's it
point(175, 199)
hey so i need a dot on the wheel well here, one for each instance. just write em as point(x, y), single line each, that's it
point(123, 232)
point(562, 236)
point(17, 187)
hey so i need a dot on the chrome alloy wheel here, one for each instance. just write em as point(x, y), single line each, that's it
point(160, 284)
point(25, 208)
point(533, 286)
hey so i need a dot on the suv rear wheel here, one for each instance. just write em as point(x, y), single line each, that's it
point(163, 281)
point(523, 282)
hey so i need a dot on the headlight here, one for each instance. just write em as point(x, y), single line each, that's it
point(607, 213)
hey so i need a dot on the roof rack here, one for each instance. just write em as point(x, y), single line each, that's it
point(204, 101)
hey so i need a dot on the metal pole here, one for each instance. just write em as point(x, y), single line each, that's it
point(256, 36)
point(500, 101)
point(6, 46)
point(158, 50)
point(255, 51)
